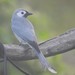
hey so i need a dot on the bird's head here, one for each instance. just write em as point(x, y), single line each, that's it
point(22, 13)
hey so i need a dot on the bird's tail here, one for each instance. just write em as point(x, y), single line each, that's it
point(41, 57)
point(44, 62)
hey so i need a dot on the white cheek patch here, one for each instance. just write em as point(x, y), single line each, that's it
point(19, 14)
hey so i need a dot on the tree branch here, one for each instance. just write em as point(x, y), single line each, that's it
point(57, 45)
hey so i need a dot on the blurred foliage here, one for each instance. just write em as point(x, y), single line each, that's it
point(50, 18)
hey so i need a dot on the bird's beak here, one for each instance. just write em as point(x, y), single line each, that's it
point(27, 14)
point(30, 13)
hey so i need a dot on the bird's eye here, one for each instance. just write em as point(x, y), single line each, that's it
point(22, 12)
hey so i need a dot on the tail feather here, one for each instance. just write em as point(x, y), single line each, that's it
point(45, 63)
point(41, 57)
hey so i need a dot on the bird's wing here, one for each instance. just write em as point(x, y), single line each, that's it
point(26, 34)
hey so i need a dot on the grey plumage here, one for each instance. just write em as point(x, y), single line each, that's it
point(24, 31)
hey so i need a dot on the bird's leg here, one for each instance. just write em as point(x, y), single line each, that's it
point(26, 46)
point(20, 44)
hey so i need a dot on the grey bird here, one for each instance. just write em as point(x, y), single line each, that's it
point(24, 32)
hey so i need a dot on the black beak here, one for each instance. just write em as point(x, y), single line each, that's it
point(29, 13)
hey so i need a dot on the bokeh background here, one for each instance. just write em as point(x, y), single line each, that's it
point(50, 18)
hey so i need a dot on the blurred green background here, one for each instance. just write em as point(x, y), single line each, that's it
point(50, 18)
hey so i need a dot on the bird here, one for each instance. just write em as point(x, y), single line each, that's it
point(23, 30)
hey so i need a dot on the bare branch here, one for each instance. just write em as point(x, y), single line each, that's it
point(57, 45)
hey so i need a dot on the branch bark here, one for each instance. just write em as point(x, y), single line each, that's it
point(51, 47)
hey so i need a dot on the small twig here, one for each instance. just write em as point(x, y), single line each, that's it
point(5, 58)
point(3, 55)
point(1, 60)
point(5, 63)
point(20, 69)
